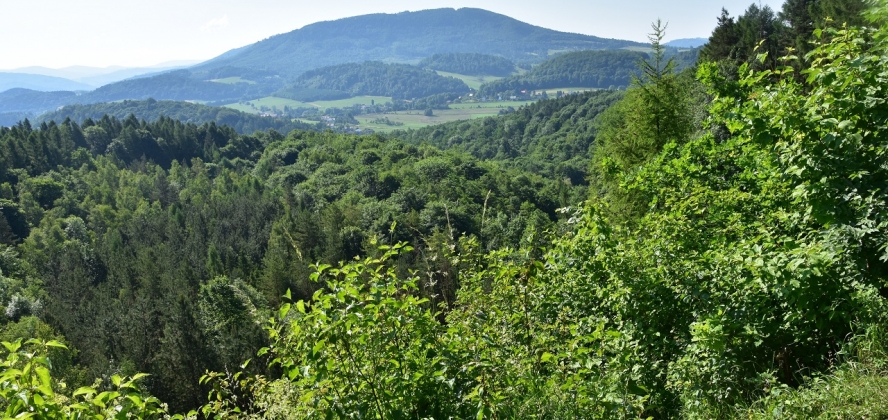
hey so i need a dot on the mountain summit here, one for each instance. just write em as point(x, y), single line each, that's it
point(405, 37)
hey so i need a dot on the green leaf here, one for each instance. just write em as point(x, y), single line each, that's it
point(45, 381)
point(84, 390)
point(54, 343)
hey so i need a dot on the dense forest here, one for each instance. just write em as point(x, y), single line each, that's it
point(170, 212)
point(25, 100)
point(727, 259)
point(552, 137)
point(152, 110)
point(588, 69)
point(399, 81)
point(470, 64)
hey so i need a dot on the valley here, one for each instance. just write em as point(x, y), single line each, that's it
point(449, 214)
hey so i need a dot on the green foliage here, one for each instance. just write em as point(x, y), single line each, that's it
point(655, 112)
point(399, 81)
point(27, 390)
point(366, 345)
point(590, 69)
point(472, 64)
point(550, 137)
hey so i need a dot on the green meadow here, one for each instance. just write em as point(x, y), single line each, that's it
point(473, 82)
point(233, 80)
point(254, 105)
point(417, 119)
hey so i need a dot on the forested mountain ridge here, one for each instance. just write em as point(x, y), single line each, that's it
point(589, 69)
point(405, 37)
point(374, 78)
point(473, 64)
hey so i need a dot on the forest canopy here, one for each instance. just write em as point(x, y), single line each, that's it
point(727, 259)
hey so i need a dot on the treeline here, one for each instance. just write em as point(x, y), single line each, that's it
point(186, 112)
point(473, 64)
point(399, 81)
point(588, 69)
point(737, 39)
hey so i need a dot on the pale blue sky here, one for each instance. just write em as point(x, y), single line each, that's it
point(59, 33)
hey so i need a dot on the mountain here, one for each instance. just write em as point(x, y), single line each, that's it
point(38, 82)
point(406, 37)
point(265, 67)
point(687, 42)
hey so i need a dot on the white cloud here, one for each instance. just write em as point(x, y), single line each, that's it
point(215, 24)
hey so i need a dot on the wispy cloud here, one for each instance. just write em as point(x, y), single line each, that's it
point(215, 24)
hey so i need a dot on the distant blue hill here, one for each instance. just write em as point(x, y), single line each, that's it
point(687, 42)
point(38, 82)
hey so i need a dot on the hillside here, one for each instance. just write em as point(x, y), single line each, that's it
point(588, 69)
point(399, 81)
point(550, 137)
point(152, 110)
point(177, 85)
point(27, 100)
point(471, 64)
point(404, 37)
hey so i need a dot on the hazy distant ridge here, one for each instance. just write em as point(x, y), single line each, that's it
point(406, 37)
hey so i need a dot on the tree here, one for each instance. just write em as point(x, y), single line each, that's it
point(654, 112)
point(723, 41)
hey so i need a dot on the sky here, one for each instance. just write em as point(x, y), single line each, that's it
point(133, 33)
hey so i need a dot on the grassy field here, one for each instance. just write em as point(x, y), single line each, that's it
point(233, 80)
point(491, 105)
point(280, 103)
point(552, 92)
point(345, 103)
point(474, 82)
point(638, 49)
point(417, 119)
